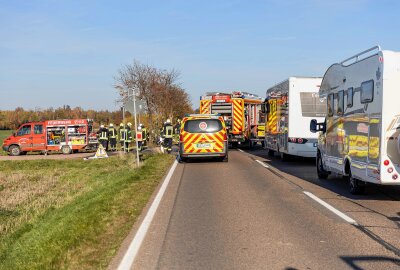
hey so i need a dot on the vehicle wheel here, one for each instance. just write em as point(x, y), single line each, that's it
point(322, 174)
point(14, 150)
point(224, 158)
point(234, 145)
point(271, 153)
point(357, 187)
point(66, 150)
point(284, 157)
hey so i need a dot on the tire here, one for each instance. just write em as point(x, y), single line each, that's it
point(234, 145)
point(284, 157)
point(321, 172)
point(356, 186)
point(271, 153)
point(224, 158)
point(14, 150)
point(66, 150)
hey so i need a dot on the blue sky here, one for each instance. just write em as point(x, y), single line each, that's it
point(67, 52)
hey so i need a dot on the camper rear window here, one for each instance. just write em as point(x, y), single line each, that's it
point(367, 91)
point(330, 104)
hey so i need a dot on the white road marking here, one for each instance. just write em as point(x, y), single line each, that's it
point(263, 164)
point(240, 150)
point(134, 247)
point(331, 208)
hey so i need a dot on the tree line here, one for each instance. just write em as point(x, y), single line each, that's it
point(13, 119)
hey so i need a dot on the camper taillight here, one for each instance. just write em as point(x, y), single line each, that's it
point(386, 162)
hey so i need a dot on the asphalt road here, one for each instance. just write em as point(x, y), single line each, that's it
point(242, 215)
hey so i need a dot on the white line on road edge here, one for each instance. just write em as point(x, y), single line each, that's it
point(262, 164)
point(331, 208)
point(240, 150)
point(133, 249)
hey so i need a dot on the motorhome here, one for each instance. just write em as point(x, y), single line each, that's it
point(360, 137)
point(290, 105)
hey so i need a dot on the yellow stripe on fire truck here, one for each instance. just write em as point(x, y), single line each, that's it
point(205, 106)
point(238, 108)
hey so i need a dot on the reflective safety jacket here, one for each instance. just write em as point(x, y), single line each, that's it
point(145, 134)
point(128, 135)
point(168, 130)
point(112, 133)
point(122, 134)
point(103, 134)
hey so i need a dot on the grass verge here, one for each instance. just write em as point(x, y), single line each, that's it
point(71, 214)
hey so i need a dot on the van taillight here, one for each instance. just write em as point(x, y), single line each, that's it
point(180, 137)
point(225, 137)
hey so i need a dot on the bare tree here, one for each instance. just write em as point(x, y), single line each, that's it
point(159, 89)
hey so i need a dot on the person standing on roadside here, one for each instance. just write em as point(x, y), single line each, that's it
point(128, 137)
point(122, 135)
point(102, 134)
point(113, 137)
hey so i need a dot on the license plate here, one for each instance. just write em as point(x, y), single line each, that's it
point(203, 145)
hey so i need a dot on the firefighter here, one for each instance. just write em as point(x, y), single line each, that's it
point(145, 134)
point(139, 137)
point(113, 137)
point(128, 137)
point(121, 135)
point(102, 134)
point(167, 132)
point(177, 127)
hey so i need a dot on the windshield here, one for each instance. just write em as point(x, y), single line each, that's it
point(203, 126)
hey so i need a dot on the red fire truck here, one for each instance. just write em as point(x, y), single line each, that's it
point(67, 136)
point(242, 114)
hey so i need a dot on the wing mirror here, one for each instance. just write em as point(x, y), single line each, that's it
point(315, 126)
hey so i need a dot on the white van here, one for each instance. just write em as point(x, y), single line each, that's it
point(291, 105)
point(360, 136)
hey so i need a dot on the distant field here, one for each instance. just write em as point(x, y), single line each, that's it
point(4, 134)
point(72, 214)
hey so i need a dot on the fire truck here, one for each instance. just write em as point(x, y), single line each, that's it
point(242, 114)
point(67, 136)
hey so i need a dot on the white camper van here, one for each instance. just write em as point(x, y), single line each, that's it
point(291, 105)
point(360, 137)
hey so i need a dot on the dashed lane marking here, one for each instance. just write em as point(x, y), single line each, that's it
point(331, 208)
point(130, 255)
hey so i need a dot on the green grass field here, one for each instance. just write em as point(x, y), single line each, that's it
point(72, 214)
point(4, 134)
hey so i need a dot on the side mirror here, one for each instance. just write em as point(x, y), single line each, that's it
point(313, 126)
